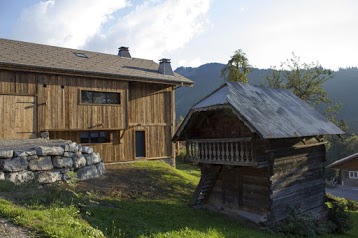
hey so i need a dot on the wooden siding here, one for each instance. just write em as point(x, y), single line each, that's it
point(150, 109)
point(144, 106)
point(59, 102)
point(297, 180)
point(346, 181)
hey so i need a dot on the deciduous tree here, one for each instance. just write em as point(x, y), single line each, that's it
point(237, 68)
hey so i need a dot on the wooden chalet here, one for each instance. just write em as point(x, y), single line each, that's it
point(260, 151)
point(348, 170)
point(123, 107)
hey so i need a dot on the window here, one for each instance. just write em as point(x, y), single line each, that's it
point(95, 137)
point(353, 174)
point(81, 55)
point(94, 97)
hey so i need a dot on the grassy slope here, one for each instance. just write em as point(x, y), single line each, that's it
point(141, 217)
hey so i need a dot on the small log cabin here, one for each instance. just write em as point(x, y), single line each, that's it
point(348, 170)
point(122, 106)
point(260, 151)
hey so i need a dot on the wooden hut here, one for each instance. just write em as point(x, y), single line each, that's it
point(123, 107)
point(348, 170)
point(260, 151)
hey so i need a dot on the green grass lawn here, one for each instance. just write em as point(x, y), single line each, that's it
point(57, 212)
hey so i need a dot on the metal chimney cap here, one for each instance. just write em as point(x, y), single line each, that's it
point(164, 60)
point(124, 52)
point(165, 67)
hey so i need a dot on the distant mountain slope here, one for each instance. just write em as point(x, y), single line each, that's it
point(342, 88)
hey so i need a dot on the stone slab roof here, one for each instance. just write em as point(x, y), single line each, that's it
point(51, 59)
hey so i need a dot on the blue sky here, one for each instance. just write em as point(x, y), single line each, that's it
point(193, 32)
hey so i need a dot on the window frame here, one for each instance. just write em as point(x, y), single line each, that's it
point(353, 174)
point(95, 143)
point(99, 104)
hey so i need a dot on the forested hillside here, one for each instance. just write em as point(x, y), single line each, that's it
point(342, 88)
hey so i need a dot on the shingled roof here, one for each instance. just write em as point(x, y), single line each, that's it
point(44, 58)
point(271, 113)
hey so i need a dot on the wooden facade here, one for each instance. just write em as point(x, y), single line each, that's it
point(34, 100)
point(252, 172)
point(348, 170)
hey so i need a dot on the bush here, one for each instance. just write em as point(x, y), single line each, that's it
point(295, 224)
point(348, 204)
point(340, 217)
point(339, 221)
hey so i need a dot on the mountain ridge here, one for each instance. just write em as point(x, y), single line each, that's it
point(342, 88)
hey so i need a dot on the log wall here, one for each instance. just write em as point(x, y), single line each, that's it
point(241, 189)
point(297, 179)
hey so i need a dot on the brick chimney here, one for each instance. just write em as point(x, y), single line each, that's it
point(165, 67)
point(124, 52)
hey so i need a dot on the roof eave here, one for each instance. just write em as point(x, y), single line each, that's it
point(31, 68)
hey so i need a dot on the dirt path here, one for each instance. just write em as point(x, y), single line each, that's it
point(7, 230)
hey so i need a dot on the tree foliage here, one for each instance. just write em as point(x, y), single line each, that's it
point(305, 80)
point(237, 68)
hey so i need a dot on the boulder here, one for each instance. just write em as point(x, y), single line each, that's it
point(87, 172)
point(31, 157)
point(54, 150)
point(20, 177)
point(92, 158)
point(69, 154)
point(48, 176)
point(62, 162)
point(100, 168)
point(5, 154)
point(72, 147)
point(41, 163)
point(22, 153)
point(14, 164)
point(2, 175)
point(79, 161)
point(86, 150)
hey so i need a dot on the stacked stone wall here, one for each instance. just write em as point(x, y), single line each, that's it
point(48, 164)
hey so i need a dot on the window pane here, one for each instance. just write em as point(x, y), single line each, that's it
point(86, 96)
point(84, 137)
point(100, 97)
point(95, 137)
point(113, 98)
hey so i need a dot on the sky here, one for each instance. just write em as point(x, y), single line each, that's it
point(193, 32)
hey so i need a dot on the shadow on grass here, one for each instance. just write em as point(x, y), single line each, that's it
point(167, 218)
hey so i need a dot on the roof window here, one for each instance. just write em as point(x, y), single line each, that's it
point(82, 55)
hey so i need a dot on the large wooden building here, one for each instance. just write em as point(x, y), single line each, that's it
point(122, 106)
point(348, 170)
point(260, 151)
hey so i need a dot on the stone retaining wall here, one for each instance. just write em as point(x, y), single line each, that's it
point(48, 164)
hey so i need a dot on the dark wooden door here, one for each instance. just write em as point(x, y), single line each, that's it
point(140, 144)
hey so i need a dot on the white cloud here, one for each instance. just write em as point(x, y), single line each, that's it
point(155, 28)
point(67, 23)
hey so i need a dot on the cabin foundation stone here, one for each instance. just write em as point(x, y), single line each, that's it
point(49, 164)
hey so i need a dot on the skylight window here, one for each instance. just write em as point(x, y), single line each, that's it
point(82, 55)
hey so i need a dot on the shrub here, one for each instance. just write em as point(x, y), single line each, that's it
point(305, 224)
point(340, 217)
point(348, 204)
point(297, 224)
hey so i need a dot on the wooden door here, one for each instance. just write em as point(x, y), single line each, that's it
point(18, 117)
